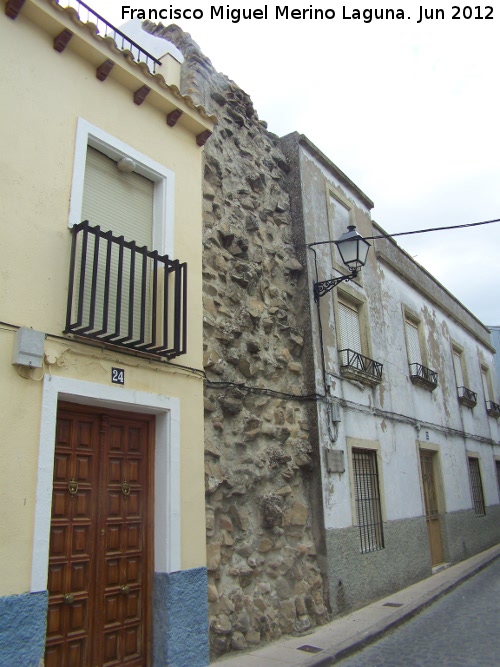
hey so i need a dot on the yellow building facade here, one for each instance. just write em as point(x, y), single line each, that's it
point(101, 448)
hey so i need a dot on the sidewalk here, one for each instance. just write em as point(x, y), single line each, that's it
point(347, 634)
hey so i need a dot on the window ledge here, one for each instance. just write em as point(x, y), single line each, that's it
point(467, 397)
point(493, 409)
point(355, 366)
point(423, 377)
point(351, 373)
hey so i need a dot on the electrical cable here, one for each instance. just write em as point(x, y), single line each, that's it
point(210, 384)
point(416, 231)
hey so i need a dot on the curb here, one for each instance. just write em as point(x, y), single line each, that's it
point(377, 630)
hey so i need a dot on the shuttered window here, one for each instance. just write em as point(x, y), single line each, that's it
point(457, 364)
point(486, 384)
point(413, 341)
point(122, 203)
point(350, 334)
point(117, 201)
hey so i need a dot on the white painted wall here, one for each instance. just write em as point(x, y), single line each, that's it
point(397, 415)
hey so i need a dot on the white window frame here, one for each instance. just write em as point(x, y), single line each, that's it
point(162, 177)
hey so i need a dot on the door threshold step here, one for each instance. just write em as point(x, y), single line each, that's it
point(440, 567)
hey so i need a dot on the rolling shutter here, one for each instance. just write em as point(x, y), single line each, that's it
point(413, 340)
point(122, 203)
point(117, 201)
point(350, 334)
point(457, 363)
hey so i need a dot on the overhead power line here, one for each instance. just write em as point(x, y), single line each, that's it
point(432, 229)
point(416, 231)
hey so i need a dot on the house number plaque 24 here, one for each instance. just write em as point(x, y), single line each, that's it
point(118, 376)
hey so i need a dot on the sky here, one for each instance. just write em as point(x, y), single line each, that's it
point(408, 110)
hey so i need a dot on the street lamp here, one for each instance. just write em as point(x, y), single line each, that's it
point(353, 250)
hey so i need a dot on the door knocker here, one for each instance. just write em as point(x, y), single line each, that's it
point(126, 488)
point(72, 486)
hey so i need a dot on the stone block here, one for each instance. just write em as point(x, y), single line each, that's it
point(213, 556)
point(296, 515)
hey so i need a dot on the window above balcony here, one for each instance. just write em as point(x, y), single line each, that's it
point(126, 295)
point(355, 366)
point(424, 377)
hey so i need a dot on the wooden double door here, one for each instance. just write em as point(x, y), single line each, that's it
point(101, 539)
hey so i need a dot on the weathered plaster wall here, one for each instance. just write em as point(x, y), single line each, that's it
point(357, 578)
point(395, 418)
point(263, 562)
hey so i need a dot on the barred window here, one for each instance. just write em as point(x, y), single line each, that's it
point(476, 487)
point(367, 497)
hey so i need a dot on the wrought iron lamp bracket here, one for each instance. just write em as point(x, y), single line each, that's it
point(325, 286)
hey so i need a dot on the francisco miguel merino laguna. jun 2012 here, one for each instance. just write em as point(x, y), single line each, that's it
point(237, 14)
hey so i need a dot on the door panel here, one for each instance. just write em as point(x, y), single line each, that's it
point(431, 507)
point(100, 561)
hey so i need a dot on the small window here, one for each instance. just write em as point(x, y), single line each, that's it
point(497, 464)
point(367, 498)
point(485, 377)
point(458, 366)
point(117, 200)
point(419, 374)
point(350, 332)
point(476, 486)
point(413, 343)
point(465, 395)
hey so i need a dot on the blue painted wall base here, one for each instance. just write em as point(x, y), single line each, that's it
point(181, 619)
point(23, 620)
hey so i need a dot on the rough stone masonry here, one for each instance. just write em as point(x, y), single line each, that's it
point(264, 570)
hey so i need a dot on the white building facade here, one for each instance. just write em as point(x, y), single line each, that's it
point(407, 430)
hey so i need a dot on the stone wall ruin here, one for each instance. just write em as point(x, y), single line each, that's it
point(264, 570)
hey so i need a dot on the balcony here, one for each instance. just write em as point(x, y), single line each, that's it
point(467, 397)
point(124, 295)
point(423, 376)
point(106, 29)
point(493, 409)
point(354, 366)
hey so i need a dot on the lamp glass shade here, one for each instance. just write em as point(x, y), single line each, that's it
point(353, 248)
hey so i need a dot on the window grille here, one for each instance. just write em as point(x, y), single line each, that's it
point(476, 487)
point(367, 496)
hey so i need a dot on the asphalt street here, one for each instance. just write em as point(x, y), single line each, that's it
point(462, 629)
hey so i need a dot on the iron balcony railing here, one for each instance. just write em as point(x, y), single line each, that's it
point(493, 409)
point(360, 367)
point(423, 376)
point(126, 295)
point(467, 397)
point(106, 29)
